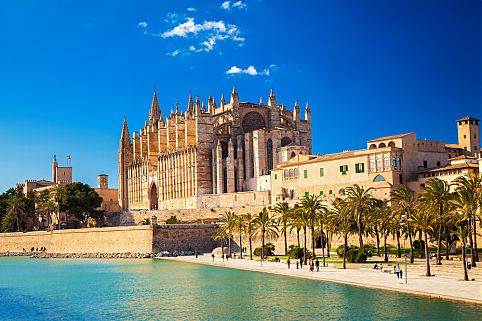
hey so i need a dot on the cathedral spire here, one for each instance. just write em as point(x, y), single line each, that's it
point(234, 96)
point(272, 99)
point(125, 136)
point(261, 103)
point(190, 104)
point(155, 111)
point(307, 112)
point(223, 102)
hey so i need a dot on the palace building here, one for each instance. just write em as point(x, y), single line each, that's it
point(209, 154)
point(385, 164)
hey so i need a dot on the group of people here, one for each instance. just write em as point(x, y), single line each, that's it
point(396, 269)
point(313, 263)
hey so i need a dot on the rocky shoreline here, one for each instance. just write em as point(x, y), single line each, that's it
point(128, 255)
point(45, 255)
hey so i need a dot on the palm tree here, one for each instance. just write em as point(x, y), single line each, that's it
point(266, 228)
point(358, 200)
point(467, 199)
point(300, 221)
point(435, 197)
point(425, 220)
point(240, 226)
point(228, 224)
point(16, 209)
point(56, 196)
point(249, 223)
point(322, 220)
point(339, 218)
point(403, 198)
point(220, 236)
point(312, 206)
point(283, 211)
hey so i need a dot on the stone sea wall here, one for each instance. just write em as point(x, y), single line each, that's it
point(128, 242)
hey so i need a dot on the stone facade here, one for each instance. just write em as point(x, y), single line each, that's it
point(385, 164)
point(109, 196)
point(132, 239)
point(213, 150)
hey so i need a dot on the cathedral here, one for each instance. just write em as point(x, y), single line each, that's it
point(191, 157)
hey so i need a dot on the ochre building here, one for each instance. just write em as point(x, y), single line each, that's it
point(207, 154)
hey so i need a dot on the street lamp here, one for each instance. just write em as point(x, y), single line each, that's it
point(404, 239)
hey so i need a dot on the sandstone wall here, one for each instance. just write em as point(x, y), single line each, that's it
point(180, 237)
point(136, 239)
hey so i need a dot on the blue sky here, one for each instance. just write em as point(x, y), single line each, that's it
point(70, 70)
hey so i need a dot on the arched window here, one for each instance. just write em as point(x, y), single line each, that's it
point(253, 121)
point(293, 154)
point(379, 178)
point(381, 145)
point(386, 162)
point(372, 164)
point(285, 141)
point(372, 146)
point(379, 163)
point(286, 174)
point(296, 172)
point(269, 154)
point(391, 144)
point(224, 150)
point(291, 173)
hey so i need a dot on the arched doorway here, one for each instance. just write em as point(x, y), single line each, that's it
point(269, 154)
point(153, 197)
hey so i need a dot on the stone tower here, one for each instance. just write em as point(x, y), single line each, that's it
point(55, 165)
point(103, 181)
point(469, 135)
point(125, 157)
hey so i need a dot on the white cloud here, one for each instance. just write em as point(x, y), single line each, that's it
point(192, 48)
point(251, 70)
point(172, 17)
point(191, 9)
point(142, 24)
point(225, 5)
point(239, 5)
point(209, 33)
point(174, 53)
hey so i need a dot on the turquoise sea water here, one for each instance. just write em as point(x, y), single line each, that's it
point(40, 289)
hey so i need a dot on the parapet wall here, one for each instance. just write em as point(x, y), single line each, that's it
point(134, 239)
point(131, 239)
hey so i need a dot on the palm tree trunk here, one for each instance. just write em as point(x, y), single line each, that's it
point(304, 249)
point(345, 244)
point(399, 250)
point(447, 244)
point(360, 230)
point(439, 241)
point(328, 243)
point(412, 258)
point(229, 245)
point(18, 225)
point(464, 260)
point(250, 247)
point(298, 236)
point(322, 243)
point(286, 241)
point(422, 252)
point(262, 247)
point(426, 255)
point(476, 250)
point(313, 239)
point(240, 245)
point(385, 245)
point(378, 240)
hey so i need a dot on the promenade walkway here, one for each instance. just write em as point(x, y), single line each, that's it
point(447, 282)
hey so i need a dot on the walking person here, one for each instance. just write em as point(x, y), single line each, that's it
point(297, 264)
point(213, 256)
point(317, 264)
point(399, 271)
point(289, 262)
point(312, 266)
point(301, 263)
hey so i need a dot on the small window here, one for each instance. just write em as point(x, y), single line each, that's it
point(322, 172)
point(360, 168)
point(321, 192)
point(330, 192)
point(275, 176)
point(305, 173)
point(465, 136)
point(422, 185)
point(425, 164)
point(343, 169)
point(438, 164)
point(475, 148)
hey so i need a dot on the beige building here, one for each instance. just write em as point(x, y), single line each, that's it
point(385, 164)
point(204, 156)
point(109, 195)
point(61, 175)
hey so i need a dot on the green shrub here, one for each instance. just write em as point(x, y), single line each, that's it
point(172, 220)
point(419, 244)
point(296, 252)
point(355, 254)
point(268, 250)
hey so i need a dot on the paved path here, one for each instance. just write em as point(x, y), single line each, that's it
point(447, 284)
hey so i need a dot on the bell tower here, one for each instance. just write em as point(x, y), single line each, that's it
point(469, 135)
